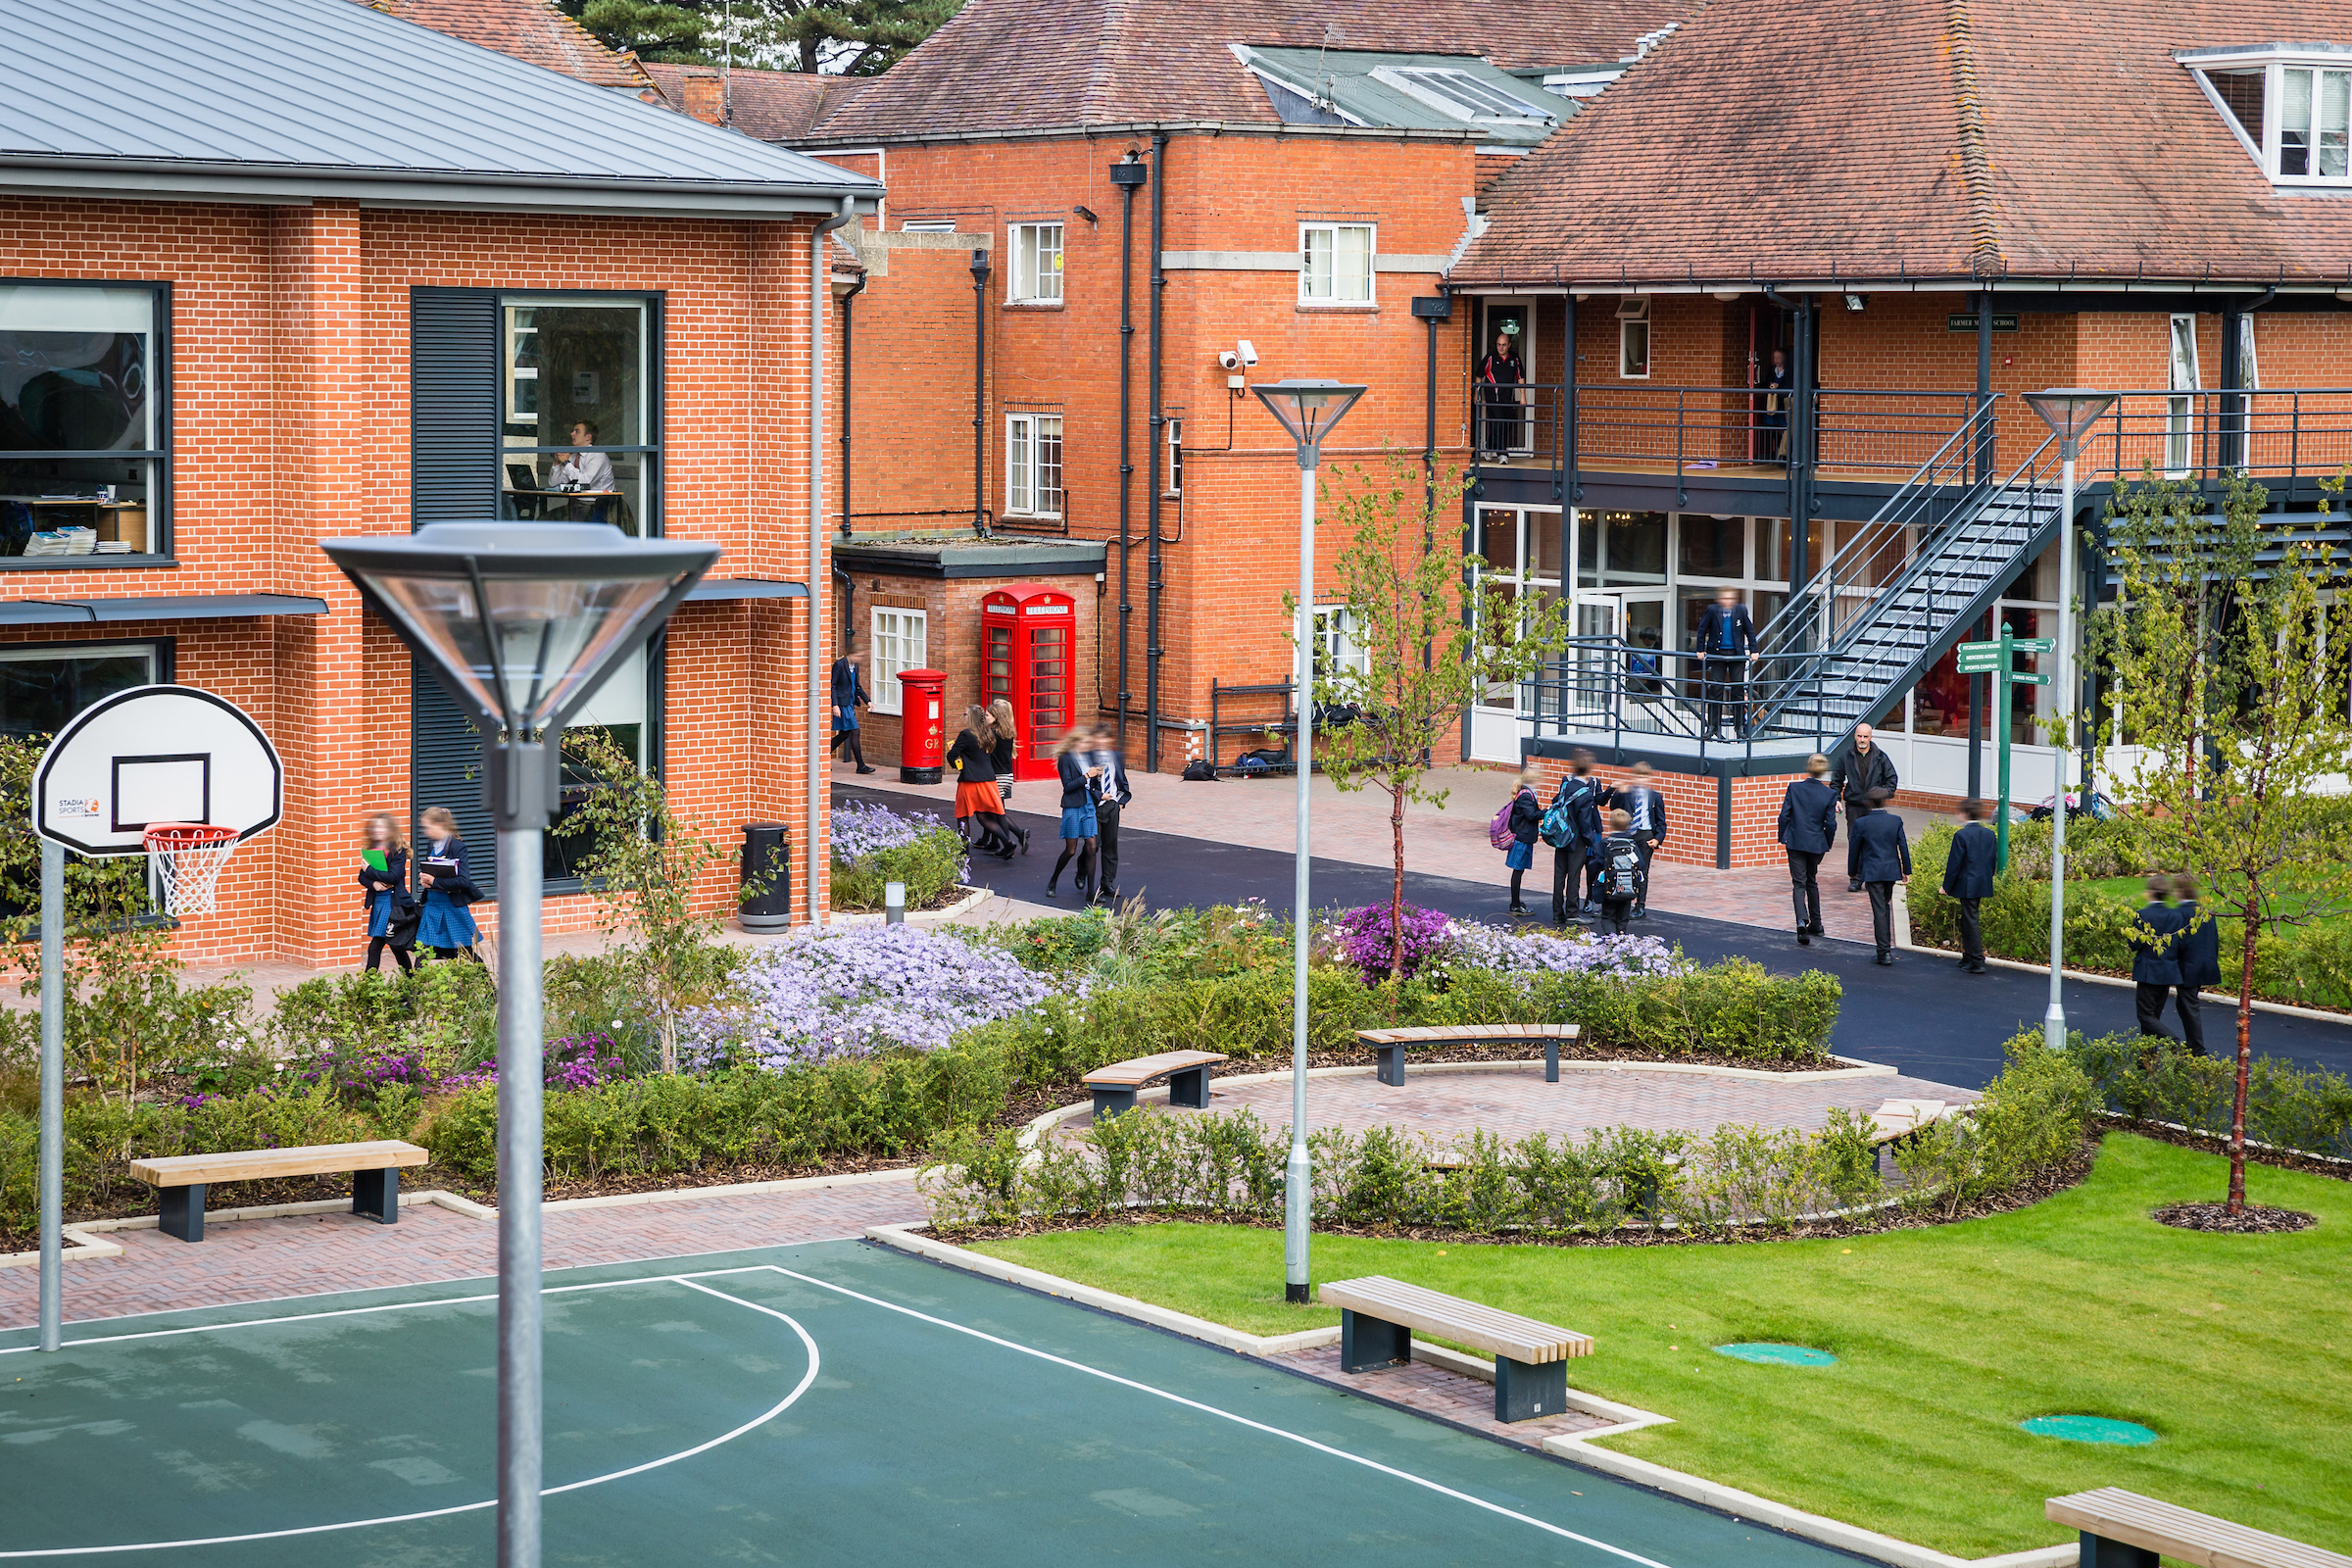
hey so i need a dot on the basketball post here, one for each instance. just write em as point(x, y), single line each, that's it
point(521, 623)
point(53, 1090)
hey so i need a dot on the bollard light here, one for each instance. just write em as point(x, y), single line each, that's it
point(893, 904)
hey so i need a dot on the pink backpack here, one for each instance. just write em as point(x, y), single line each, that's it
point(1499, 831)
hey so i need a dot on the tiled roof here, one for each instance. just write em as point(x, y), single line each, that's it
point(771, 105)
point(533, 30)
point(1031, 65)
point(1864, 140)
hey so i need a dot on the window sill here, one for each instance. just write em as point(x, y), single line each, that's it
point(82, 563)
point(1035, 304)
point(1029, 516)
point(1305, 308)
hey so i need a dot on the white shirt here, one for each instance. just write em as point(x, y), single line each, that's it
point(585, 470)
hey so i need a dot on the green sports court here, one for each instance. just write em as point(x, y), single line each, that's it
point(828, 1402)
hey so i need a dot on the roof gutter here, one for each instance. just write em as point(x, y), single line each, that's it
point(1914, 283)
point(820, 288)
point(1138, 128)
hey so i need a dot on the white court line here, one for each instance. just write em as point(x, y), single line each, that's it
point(1239, 1420)
point(806, 1380)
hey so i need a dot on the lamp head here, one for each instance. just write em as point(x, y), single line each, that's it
point(1308, 407)
point(521, 620)
point(2070, 411)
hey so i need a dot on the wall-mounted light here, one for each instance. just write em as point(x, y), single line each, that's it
point(1085, 213)
point(1854, 303)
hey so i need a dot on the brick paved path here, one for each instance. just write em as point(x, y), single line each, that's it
point(260, 1259)
point(1467, 1402)
point(1516, 1105)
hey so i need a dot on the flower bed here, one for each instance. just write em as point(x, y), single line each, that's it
point(874, 845)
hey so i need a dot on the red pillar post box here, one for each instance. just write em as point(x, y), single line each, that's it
point(922, 725)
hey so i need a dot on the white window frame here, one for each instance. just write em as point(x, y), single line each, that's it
point(1336, 645)
point(1325, 293)
point(2181, 376)
point(1028, 281)
point(1174, 485)
point(2250, 369)
point(2267, 145)
point(1633, 312)
point(896, 639)
point(1027, 466)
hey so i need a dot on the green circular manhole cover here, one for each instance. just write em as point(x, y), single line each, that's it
point(1778, 1355)
point(2090, 1429)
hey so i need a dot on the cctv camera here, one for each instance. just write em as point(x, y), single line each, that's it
point(1230, 360)
point(1248, 351)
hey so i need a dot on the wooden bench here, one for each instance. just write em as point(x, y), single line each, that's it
point(1898, 1119)
point(374, 1178)
point(1187, 1072)
point(1392, 1044)
point(2124, 1529)
point(1378, 1317)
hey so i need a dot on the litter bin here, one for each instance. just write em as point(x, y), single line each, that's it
point(922, 733)
point(767, 852)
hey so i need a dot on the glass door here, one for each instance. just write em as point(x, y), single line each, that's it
point(1506, 346)
point(1587, 694)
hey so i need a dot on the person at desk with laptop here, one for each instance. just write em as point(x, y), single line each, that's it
point(582, 473)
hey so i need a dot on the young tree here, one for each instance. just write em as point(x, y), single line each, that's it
point(1424, 644)
point(643, 863)
point(2227, 659)
point(845, 37)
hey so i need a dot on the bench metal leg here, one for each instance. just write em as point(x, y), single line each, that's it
point(1551, 1060)
point(2100, 1552)
point(1189, 1088)
point(1111, 1102)
point(377, 1195)
point(1526, 1390)
point(182, 1212)
point(1391, 1065)
point(1368, 1343)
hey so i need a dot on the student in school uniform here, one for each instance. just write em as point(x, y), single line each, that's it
point(447, 924)
point(974, 757)
point(1000, 716)
point(392, 914)
point(1617, 862)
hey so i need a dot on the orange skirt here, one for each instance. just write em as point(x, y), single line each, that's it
point(978, 800)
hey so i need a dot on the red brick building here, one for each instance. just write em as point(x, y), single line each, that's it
point(1040, 351)
point(1931, 210)
point(383, 283)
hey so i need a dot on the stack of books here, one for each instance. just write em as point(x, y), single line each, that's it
point(62, 542)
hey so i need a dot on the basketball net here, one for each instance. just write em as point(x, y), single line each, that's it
point(190, 855)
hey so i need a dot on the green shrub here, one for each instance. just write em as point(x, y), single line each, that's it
point(445, 1014)
point(2287, 1106)
point(2032, 1116)
point(929, 867)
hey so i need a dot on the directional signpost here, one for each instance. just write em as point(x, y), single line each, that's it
point(1997, 659)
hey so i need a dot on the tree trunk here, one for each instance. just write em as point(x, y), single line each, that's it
point(1396, 888)
point(2245, 1056)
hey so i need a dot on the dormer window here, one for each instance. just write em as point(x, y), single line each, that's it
point(2291, 106)
point(1464, 96)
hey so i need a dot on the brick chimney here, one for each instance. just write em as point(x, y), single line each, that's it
point(702, 97)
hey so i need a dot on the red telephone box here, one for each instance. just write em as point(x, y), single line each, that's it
point(922, 737)
point(1029, 650)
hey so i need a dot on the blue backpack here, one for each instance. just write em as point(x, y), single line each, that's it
point(1558, 827)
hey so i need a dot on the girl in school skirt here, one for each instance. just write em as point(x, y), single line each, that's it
point(445, 926)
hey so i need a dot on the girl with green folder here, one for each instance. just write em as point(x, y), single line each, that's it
point(384, 877)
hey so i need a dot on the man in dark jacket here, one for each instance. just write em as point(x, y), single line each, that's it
point(1863, 769)
point(1645, 807)
point(2155, 960)
point(2199, 946)
point(1968, 872)
point(1808, 828)
point(1727, 646)
point(1572, 862)
point(1885, 856)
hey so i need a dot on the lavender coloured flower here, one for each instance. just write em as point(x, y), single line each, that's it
point(1525, 955)
point(862, 828)
point(852, 991)
point(1365, 938)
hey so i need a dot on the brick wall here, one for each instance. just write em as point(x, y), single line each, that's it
point(1691, 803)
point(290, 422)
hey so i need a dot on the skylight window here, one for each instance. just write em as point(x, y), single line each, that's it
point(1464, 96)
point(2291, 106)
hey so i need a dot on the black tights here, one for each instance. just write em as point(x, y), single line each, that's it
point(451, 953)
point(998, 835)
point(377, 946)
point(1084, 849)
point(1515, 876)
point(857, 749)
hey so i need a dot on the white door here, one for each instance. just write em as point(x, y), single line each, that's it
point(2182, 371)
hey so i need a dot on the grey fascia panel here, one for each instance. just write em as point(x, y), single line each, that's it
point(41, 613)
point(200, 606)
point(405, 188)
point(720, 590)
point(968, 562)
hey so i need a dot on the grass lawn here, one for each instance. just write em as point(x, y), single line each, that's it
point(2236, 1350)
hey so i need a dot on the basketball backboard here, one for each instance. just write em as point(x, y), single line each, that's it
point(151, 755)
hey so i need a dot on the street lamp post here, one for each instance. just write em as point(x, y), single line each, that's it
point(520, 622)
point(1308, 410)
point(2069, 412)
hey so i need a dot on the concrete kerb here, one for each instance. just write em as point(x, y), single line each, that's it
point(1040, 1126)
point(84, 1235)
point(972, 899)
point(1575, 1449)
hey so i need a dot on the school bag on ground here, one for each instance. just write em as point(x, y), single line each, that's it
point(1499, 831)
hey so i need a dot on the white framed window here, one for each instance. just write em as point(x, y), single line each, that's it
point(2182, 373)
point(1033, 465)
point(1337, 643)
point(928, 225)
point(1632, 337)
point(2249, 371)
point(1176, 456)
point(900, 640)
point(2289, 105)
point(1036, 278)
point(1335, 264)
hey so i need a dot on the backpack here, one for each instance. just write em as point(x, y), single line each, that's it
point(1499, 831)
point(1200, 770)
point(1621, 867)
point(1558, 827)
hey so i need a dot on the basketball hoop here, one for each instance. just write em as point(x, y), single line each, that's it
point(190, 855)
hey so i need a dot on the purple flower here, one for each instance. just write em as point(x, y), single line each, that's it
point(1523, 955)
point(862, 828)
point(1365, 938)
